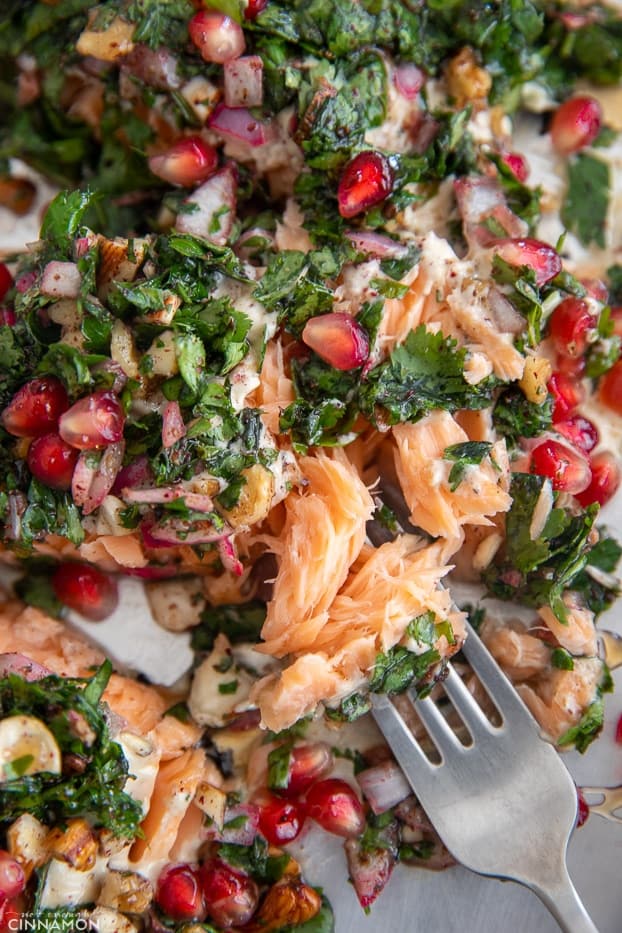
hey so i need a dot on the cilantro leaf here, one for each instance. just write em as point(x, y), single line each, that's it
point(587, 199)
point(398, 669)
point(468, 454)
point(514, 416)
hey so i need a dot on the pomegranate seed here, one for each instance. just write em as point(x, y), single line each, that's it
point(583, 808)
point(218, 37)
point(6, 280)
point(596, 289)
point(52, 461)
point(569, 325)
point(7, 317)
point(611, 388)
point(567, 394)
point(365, 181)
point(571, 366)
point(35, 409)
point(605, 480)
point(188, 162)
point(307, 763)
point(567, 469)
point(525, 251)
point(280, 821)
point(93, 422)
point(580, 431)
point(335, 806)
point(517, 164)
point(619, 730)
point(179, 893)
point(10, 915)
point(338, 339)
point(12, 878)
point(254, 8)
point(576, 123)
point(230, 896)
point(86, 590)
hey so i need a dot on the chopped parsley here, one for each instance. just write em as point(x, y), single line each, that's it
point(464, 455)
point(584, 211)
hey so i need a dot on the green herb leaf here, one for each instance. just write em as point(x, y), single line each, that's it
point(470, 453)
point(587, 199)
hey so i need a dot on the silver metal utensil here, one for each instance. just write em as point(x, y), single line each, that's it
point(505, 804)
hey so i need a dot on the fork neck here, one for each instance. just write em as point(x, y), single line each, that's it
point(561, 898)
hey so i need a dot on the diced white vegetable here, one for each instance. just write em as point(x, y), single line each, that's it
point(218, 686)
point(64, 886)
point(61, 280)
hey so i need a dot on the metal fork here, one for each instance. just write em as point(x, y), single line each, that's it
point(504, 805)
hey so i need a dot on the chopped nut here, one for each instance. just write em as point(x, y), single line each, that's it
point(106, 920)
point(17, 194)
point(466, 80)
point(535, 377)
point(287, 904)
point(109, 44)
point(213, 801)
point(109, 844)
point(76, 845)
point(176, 605)
point(126, 891)
point(122, 349)
point(255, 497)
point(26, 838)
point(115, 263)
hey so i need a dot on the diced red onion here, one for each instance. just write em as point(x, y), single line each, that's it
point(177, 532)
point(211, 198)
point(243, 835)
point(424, 133)
point(12, 663)
point(507, 318)
point(242, 722)
point(17, 506)
point(155, 67)
point(61, 280)
point(8, 317)
point(25, 281)
point(151, 571)
point(173, 425)
point(93, 479)
point(238, 123)
point(158, 495)
point(229, 558)
point(243, 79)
point(384, 786)
point(408, 80)
point(369, 869)
point(137, 473)
point(477, 197)
point(376, 244)
point(120, 378)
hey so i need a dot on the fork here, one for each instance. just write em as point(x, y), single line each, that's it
point(504, 805)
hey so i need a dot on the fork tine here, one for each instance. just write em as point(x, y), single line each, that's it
point(439, 730)
point(494, 681)
point(465, 704)
point(402, 742)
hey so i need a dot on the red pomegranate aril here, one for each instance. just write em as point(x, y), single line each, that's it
point(580, 431)
point(35, 409)
point(365, 181)
point(254, 8)
point(517, 164)
point(86, 590)
point(280, 820)
point(618, 735)
point(596, 289)
point(231, 897)
point(569, 326)
point(12, 878)
point(576, 123)
point(8, 317)
point(217, 37)
point(408, 80)
point(568, 393)
point(338, 339)
point(610, 388)
point(571, 366)
point(93, 422)
point(583, 808)
point(568, 469)
point(307, 763)
point(526, 251)
point(6, 280)
point(335, 806)
point(52, 461)
point(179, 893)
point(605, 480)
point(188, 162)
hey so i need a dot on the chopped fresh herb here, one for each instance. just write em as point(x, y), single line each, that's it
point(476, 615)
point(562, 659)
point(97, 791)
point(254, 860)
point(350, 708)
point(179, 711)
point(614, 274)
point(241, 623)
point(278, 766)
point(398, 669)
point(464, 455)
point(600, 589)
point(587, 199)
point(591, 723)
point(514, 416)
point(230, 687)
point(36, 589)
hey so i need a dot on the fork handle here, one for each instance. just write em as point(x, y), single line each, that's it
point(566, 906)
